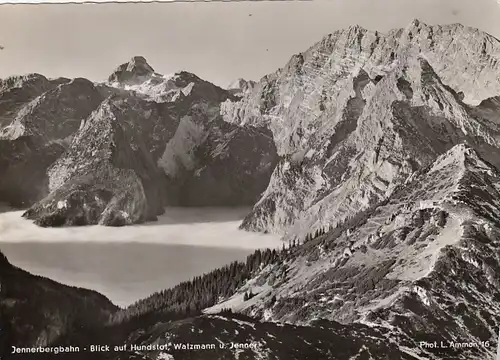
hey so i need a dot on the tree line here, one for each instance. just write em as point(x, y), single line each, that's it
point(191, 297)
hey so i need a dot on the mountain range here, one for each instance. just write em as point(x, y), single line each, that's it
point(375, 156)
point(117, 153)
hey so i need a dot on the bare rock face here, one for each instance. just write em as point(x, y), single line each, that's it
point(107, 176)
point(357, 113)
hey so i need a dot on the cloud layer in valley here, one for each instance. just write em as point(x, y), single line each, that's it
point(194, 227)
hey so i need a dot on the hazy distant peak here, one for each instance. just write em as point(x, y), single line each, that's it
point(241, 86)
point(21, 80)
point(464, 157)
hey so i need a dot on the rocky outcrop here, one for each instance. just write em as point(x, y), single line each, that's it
point(107, 176)
point(357, 113)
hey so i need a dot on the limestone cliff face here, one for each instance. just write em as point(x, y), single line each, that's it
point(384, 151)
point(357, 113)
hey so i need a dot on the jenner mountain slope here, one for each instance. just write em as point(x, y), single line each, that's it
point(385, 154)
point(81, 153)
point(59, 315)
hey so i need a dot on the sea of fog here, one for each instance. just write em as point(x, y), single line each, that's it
point(129, 263)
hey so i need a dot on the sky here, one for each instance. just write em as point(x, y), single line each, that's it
point(218, 41)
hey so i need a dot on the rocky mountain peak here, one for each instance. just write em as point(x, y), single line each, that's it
point(426, 238)
point(345, 105)
point(138, 78)
point(135, 71)
point(56, 113)
point(238, 83)
point(17, 91)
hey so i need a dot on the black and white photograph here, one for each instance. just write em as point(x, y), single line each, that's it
point(250, 180)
